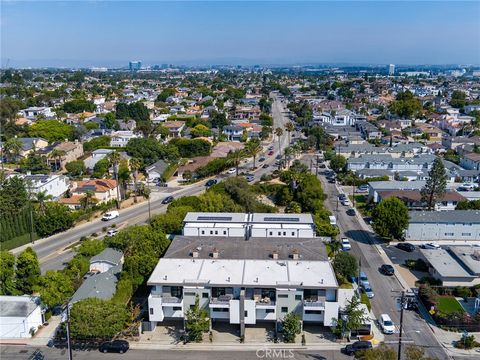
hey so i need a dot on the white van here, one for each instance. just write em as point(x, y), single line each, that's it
point(333, 220)
point(386, 324)
point(110, 215)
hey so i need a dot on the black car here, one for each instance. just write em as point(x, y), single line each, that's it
point(351, 212)
point(167, 200)
point(265, 166)
point(331, 181)
point(406, 247)
point(118, 346)
point(386, 269)
point(357, 346)
point(211, 182)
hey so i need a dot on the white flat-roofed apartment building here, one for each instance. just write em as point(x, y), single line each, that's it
point(249, 225)
point(244, 280)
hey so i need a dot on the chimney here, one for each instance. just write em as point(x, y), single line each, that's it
point(194, 253)
point(295, 254)
point(215, 253)
point(275, 255)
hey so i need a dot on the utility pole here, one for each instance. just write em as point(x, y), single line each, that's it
point(402, 300)
point(316, 168)
point(69, 340)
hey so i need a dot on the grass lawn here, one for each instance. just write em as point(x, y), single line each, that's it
point(448, 305)
point(365, 300)
point(18, 241)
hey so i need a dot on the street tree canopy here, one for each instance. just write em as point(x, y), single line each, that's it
point(435, 185)
point(390, 218)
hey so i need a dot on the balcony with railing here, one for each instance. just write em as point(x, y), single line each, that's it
point(314, 303)
point(220, 301)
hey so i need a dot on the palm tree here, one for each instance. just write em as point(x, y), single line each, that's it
point(335, 247)
point(279, 133)
point(134, 166)
point(12, 148)
point(114, 160)
point(57, 155)
point(41, 198)
point(253, 148)
point(235, 157)
point(145, 192)
point(289, 127)
point(288, 153)
point(87, 199)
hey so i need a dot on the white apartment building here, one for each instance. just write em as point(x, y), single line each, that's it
point(121, 138)
point(244, 280)
point(53, 185)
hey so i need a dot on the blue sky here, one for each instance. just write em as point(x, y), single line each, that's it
point(96, 33)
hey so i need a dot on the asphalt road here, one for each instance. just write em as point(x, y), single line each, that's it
point(386, 288)
point(23, 353)
point(53, 252)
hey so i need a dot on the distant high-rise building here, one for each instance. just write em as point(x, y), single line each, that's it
point(391, 69)
point(135, 65)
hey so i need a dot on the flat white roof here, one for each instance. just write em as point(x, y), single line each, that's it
point(444, 263)
point(252, 273)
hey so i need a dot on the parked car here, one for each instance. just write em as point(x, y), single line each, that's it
point(110, 215)
point(265, 166)
point(342, 197)
point(322, 166)
point(346, 244)
point(367, 289)
point(262, 159)
point(468, 187)
point(331, 181)
point(406, 247)
point(357, 346)
point(37, 355)
point(250, 178)
point(431, 246)
point(167, 200)
point(346, 202)
point(211, 182)
point(386, 324)
point(387, 269)
point(351, 212)
point(362, 188)
point(117, 346)
point(278, 157)
point(362, 278)
point(270, 153)
point(112, 232)
point(271, 147)
point(232, 171)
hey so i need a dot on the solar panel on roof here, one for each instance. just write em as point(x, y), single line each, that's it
point(215, 218)
point(89, 187)
point(281, 219)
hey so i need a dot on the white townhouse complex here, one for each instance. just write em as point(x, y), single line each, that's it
point(458, 226)
point(245, 277)
point(249, 225)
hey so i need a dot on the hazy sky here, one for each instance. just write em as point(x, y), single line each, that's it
point(110, 33)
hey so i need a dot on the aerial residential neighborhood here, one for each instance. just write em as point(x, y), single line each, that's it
point(216, 205)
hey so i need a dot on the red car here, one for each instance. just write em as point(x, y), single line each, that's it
point(270, 153)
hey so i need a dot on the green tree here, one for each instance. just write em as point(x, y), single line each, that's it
point(12, 149)
point(36, 164)
point(100, 169)
point(110, 120)
point(405, 105)
point(96, 143)
point(293, 207)
point(217, 119)
point(27, 271)
point(196, 322)
point(291, 327)
point(78, 106)
point(390, 218)
point(435, 185)
point(150, 150)
point(114, 161)
point(350, 319)
point(56, 218)
point(458, 99)
point(92, 247)
point(188, 148)
point(289, 127)
point(55, 287)
point(279, 133)
point(135, 166)
point(41, 198)
point(165, 94)
point(200, 131)
point(345, 266)
point(235, 158)
point(413, 352)
point(95, 318)
point(253, 148)
point(338, 163)
point(76, 168)
point(13, 195)
point(7, 273)
point(51, 130)
point(88, 199)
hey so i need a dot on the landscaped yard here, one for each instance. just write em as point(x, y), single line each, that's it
point(448, 305)
point(361, 204)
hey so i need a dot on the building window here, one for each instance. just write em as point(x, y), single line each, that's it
point(293, 233)
point(284, 233)
point(205, 295)
point(203, 232)
point(279, 233)
point(283, 296)
point(271, 233)
point(189, 294)
point(284, 309)
point(220, 309)
point(269, 311)
point(313, 312)
point(466, 234)
point(151, 311)
point(246, 313)
point(224, 232)
point(449, 234)
point(192, 306)
point(177, 308)
point(216, 232)
point(298, 297)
